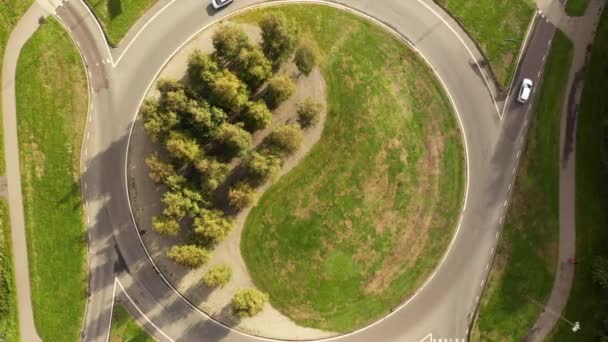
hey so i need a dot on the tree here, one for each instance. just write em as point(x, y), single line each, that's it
point(279, 37)
point(285, 139)
point(279, 89)
point(204, 118)
point(307, 56)
point(165, 225)
point(182, 147)
point(241, 195)
point(181, 203)
point(252, 66)
point(309, 112)
point(256, 115)
point(190, 256)
point(218, 276)
point(160, 170)
point(157, 122)
point(167, 85)
point(213, 172)
point(263, 166)
point(175, 102)
point(232, 138)
point(228, 41)
point(202, 70)
point(248, 302)
point(212, 226)
point(600, 271)
point(228, 92)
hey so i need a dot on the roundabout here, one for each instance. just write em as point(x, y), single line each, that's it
point(444, 304)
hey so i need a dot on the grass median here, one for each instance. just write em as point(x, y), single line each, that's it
point(8, 303)
point(588, 301)
point(525, 265)
point(361, 222)
point(498, 26)
point(52, 101)
point(117, 16)
point(124, 328)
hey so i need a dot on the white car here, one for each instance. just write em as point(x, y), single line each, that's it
point(525, 90)
point(217, 4)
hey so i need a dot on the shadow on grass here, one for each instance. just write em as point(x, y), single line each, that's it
point(114, 8)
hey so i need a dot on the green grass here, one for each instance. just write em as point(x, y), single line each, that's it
point(356, 227)
point(124, 328)
point(490, 22)
point(8, 304)
point(576, 7)
point(522, 277)
point(52, 100)
point(10, 12)
point(588, 303)
point(117, 16)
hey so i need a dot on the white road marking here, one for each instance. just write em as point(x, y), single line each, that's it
point(513, 170)
point(111, 309)
point(492, 251)
point(518, 154)
point(85, 186)
point(88, 135)
point(526, 122)
point(85, 151)
point(483, 281)
point(487, 266)
point(547, 19)
point(497, 233)
point(90, 116)
point(88, 220)
point(510, 185)
point(549, 42)
point(477, 300)
point(501, 219)
point(505, 204)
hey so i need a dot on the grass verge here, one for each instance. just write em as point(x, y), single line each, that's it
point(356, 227)
point(525, 265)
point(124, 328)
point(576, 7)
point(117, 16)
point(588, 302)
point(8, 303)
point(52, 100)
point(498, 26)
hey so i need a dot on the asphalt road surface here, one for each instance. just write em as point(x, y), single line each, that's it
point(441, 309)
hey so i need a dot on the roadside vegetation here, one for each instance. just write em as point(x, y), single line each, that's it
point(588, 302)
point(576, 7)
point(125, 328)
point(52, 100)
point(498, 26)
point(8, 303)
point(525, 264)
point(117, 16)
point(363, 219)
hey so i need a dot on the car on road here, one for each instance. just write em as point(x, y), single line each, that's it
point(525, 90)
point(217, 4)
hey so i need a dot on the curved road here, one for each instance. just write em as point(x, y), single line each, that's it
point(119, 78)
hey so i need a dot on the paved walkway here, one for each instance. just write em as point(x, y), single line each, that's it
point(581, 31)
point(22, 32)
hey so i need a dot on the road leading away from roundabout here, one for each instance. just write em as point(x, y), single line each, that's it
point(119, 78)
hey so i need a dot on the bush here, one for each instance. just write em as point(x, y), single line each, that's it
point(212, 226)
point(182, 147)
point(176, 102)
point(213, 173)
point(160, 170)
point(190, 256)
point(241, 196)
point(285, 139)
point(279, 37)
point(157, 122)
point(204, 118)
point(165, 225)
point(168, 85)
point(252, 66)
point(228, 92)
point(218, 276)
point(178, 204)
point(248, 302)
point(256, 116)
point(280, 88)
point(307, 56)
point(232, 138)
point(202, 70)
point(263, 166)
point(228, 41)
point(309, 112)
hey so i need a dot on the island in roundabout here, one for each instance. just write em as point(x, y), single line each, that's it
point(296, 171)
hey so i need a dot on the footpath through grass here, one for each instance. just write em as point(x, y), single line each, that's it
point(124, 328)
point(8, 301)
point(522, 277)
point(576, 7)
point(52, 100)
point(117, 16)
point(356, 227)
point(588, 302)
point(498, 26)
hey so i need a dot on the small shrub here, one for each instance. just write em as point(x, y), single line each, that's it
point(212, 226)
point(190, 256)
point(213, 173)
point(279, 89)
point(160, 170)
point(285, 139)
point(157, 122)
point(252, 66)
point(232, 138)
point(241, 195)
point(228, 41)
point(202, 71)
point(279, 37)
point(182, 147)
point(248, 302)
point(307, 56)
point(165, 225)
point(218, 276)
point(309, 112)
point(228, 92)
point(256, 116)
point(263, 166)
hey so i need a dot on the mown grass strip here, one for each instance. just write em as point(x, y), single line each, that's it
point(9, 329)
point(124, 328)
point(52, 100)
point(522, 277)
point(588, 301)
point(498, 26)
point(117, 16)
